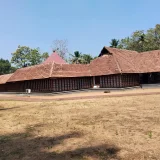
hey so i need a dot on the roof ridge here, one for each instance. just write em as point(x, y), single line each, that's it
point(5, 77)
point(121, 49)
point(150, 51)
point(117, 63)
point(51, 69)
point(6, 74)
point(89, 69)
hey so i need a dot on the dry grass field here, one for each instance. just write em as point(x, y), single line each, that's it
point(106, 128)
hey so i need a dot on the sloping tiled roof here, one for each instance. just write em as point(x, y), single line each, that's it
point(70, 70)
point(125, 59)
point(40, 71)
point(114, 50)
point(54, 57)
point(148, 62)
point(134, 62)
point(4, 78)
point(104, 65)
point(50, 70)
point(112, 61)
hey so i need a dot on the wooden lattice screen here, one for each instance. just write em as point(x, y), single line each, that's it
point(129, 80)
point(67, 84)
point(51, 85)
point(3, 88)
point(118, 80)
point(110, 81)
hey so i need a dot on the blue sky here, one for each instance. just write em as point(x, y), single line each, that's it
point(88, 25)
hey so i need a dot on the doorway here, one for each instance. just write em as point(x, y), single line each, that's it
point(149, 78)
point(97, 80)
point(145, 78)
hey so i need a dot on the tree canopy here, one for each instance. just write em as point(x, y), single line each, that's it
point(5, 67)
point(142, 41)
point(80, 58)
point(114, 43)
point(26, 56)
point(76, 57)
point(86, 58)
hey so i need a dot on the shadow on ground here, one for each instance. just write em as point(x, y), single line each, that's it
point(25, 146)
point(4, 109)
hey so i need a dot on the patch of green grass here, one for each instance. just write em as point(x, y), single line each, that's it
point(150, 134)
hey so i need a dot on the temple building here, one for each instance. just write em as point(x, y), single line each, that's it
point(114, 68)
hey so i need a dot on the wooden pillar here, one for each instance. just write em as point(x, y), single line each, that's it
point(73, 84)
point(94, 81)
point(56, 85)
point(83, 82)
point(69, 84)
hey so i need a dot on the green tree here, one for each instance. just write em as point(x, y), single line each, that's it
point(44, 56)
point(142, 41)
point(114, 43)
point(76, 57)
point(80, 58)
point(86, 58)
point(20, 56)
point(135, 42)
point(5, 67)
point(13, 69)
point(34, 57)
point(25, 56)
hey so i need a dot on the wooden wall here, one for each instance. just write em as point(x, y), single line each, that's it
point(67, 84)
point(119, 81)
point(52, 85)
point(111, 81)
point(3, 88)
point(129, 80)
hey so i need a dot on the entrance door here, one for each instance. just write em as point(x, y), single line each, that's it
point(149, 78)
point(97, 80)
point(145, 78)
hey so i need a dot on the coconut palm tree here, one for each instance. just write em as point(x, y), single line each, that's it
point(76, 57)
point(114, 43)
point(86, 58)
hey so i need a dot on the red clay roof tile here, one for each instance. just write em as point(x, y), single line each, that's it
point(4, 78)
point(70, 70)
point(54, 57)
point(147, 62)
point(40, 71)
point(104, 65)
point(114, 62)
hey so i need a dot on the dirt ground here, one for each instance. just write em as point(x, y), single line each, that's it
point(91, 129)
point(79, 95)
